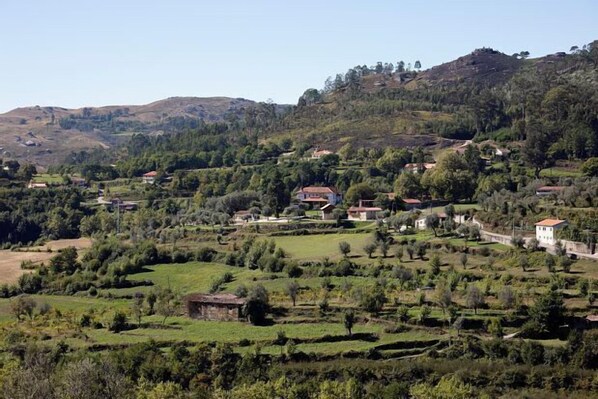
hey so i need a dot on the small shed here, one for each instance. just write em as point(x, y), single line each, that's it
point(222, 307)
point(592, 321)
point(327, 212)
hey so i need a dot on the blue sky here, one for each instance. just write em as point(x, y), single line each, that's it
point(78, 53)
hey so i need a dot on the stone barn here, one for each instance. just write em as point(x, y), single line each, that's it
point(222, 307)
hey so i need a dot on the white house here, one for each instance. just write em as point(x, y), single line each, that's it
point(548, 190)
point(420, 222)
point(415, 167)
point(150, 177)
point(33, 184)
point(546, 230)
point(362, 212)
point(317, 154)
point(319, 195)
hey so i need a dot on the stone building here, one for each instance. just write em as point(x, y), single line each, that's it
point(222, 307)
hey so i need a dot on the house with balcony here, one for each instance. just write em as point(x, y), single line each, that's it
point(319, 196)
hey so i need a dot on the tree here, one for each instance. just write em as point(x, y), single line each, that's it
point(91, 379)
point(517, 241)
point(373, 300)
point(559, 248)
point(435, 264)
point(344, 247)
point(256, 305)
point(523, 54)
point(523, 262)
point(550, 263)
point(417, 65)
point(447, 387)
point(458, 324)
point(433, 222)
point(399, 252)
point(137, 308)
point(450, 179)
point(424, 314)
point(349, 321)
point(590, 167)
point(118, 323)
point(535, 148)
point(167, 304)
point(369, 249)
point(474, 298)
point(151, 301)
point(548, 312)
point(23, 305)
point(410, 251)
point(359, 191)
point(65, 262)
point(408, 185)
point(565, 264)
point(463, 260)
point(443, 296)
point(507, 297)
point(384, 247)
point(421, 249)
point(495, 327)
point(292, 290)
point(403, 313)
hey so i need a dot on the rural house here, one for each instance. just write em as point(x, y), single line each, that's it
point(223, 307)
point(415, 167)
point(317, 154)
point(420, 223)
point(411, 203)
point(33, 184)
point(548, 190)
point(150, 177)
point(546, 230)
point(363, 212)
point(319, 195)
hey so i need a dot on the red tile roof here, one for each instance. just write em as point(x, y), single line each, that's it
point(318, 190)
point(551, 188)
point(153, 173)
point(550, 222)
point(411, 201)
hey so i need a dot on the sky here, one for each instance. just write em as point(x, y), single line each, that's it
point(120, 52)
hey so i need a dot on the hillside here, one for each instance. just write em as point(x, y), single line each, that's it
point(475, 95)
point(45, 135)
point(479, 95)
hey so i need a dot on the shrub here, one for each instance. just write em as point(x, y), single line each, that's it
point(293, 270)
point(118, 323)
point(206, 254)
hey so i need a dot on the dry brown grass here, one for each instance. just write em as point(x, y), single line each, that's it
point(10, 261)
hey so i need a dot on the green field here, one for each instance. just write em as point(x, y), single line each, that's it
point(48, 178)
